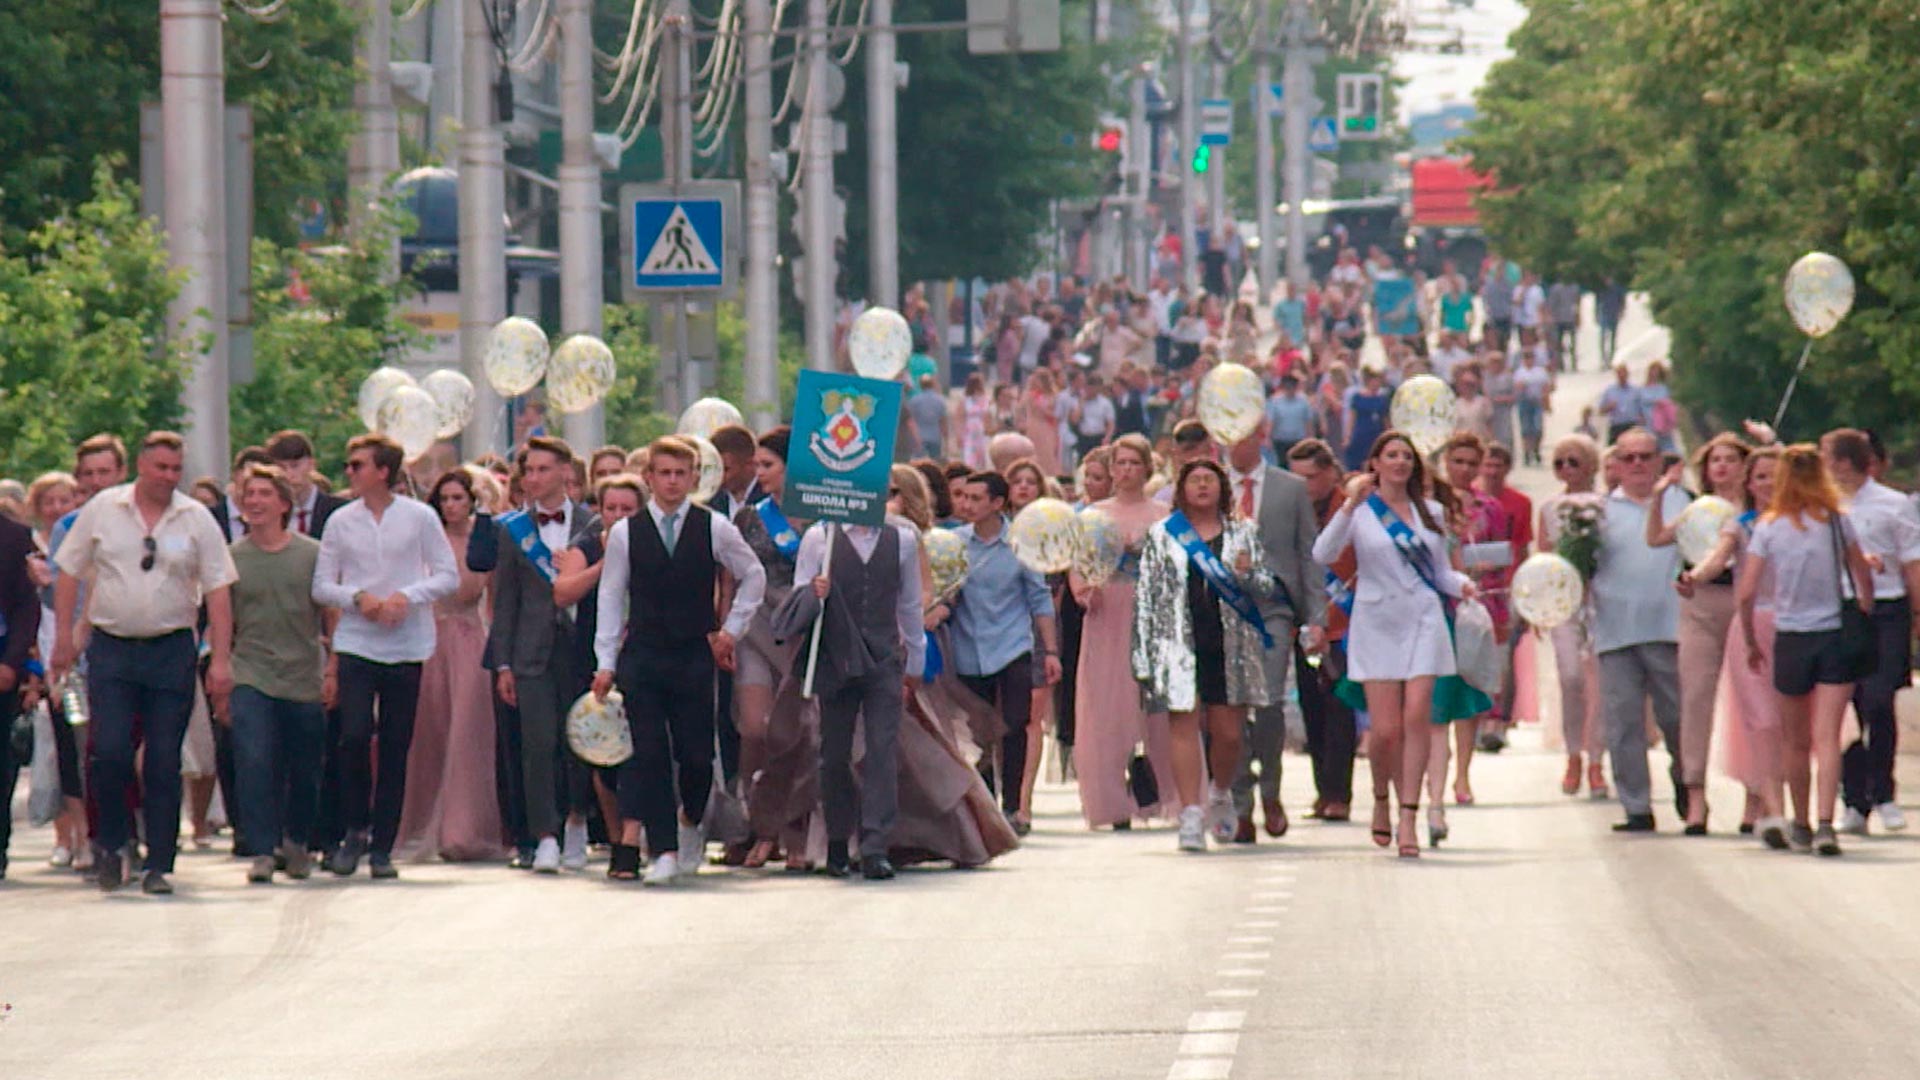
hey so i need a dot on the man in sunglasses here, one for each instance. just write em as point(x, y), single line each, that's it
point(149, 555)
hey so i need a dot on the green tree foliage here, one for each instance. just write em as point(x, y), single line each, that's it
point(83, 347)
point(1696, 150)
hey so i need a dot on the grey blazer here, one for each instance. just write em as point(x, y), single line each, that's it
point(1287, 529)
point(527, 627)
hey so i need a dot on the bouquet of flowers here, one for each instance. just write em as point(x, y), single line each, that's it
point(1579, 541)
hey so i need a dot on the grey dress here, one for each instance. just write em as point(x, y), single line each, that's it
point(1163, 654)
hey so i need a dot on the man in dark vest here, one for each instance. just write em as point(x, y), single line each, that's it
point(657, 588)
point(866, 590)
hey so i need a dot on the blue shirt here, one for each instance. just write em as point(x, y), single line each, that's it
point(1632, 588)
point(1289, 416)
point(993, 615)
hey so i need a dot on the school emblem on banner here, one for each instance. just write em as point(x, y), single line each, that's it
point(843, 443)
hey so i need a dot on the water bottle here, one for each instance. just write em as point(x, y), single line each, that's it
point(73, 700)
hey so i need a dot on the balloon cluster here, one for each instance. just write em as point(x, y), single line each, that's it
point(947, 561)
point(415, 414)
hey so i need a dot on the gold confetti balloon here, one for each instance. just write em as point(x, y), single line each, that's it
point(1098, 546)
point(374, 390)
point(879, 343)
point(947, 560)
point(1819, 293)
point(1044, 535)
point(708, 415)
point(452, 395)
point(409, 416)
point(516, 358)
point(1698, 529)
point(1232, 402)
point(1546, 590)
point(597, 730)
point(1423, 409)
point(580, 373)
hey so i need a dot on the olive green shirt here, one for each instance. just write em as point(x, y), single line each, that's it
point(277, 626)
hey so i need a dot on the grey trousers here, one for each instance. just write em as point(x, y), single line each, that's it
point(544, 701)
point(1628, 678)
point(874, 702)
point(1265, 737)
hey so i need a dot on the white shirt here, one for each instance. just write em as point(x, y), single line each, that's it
point(404, 551)
point(1806, 575)
point(813, 560)
point(1034, 331)
point(1528, 303)
point(1160, 305)
point(236, 525)
point(1532, 383)
point(1445, 360)
point(555, 534)
point(303, 510)
point(1889, 526)
point(107, 545)
point(1096, 415)
point(729, 550)
point(1237, 481)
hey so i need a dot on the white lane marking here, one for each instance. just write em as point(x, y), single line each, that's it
point(1257, 924)
point(1241, 973)
point(1234, 992)
point(1229, 1020)
point(1258, 954)
point(1251, 939)
point(1201, 1069)
point(1267, 909)
point(1277, 894)
point(1210, 1044)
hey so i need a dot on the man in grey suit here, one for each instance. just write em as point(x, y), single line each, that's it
point(533, 640)
point(1277, 501)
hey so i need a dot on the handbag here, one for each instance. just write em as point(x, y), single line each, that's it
point(1141, 781)
point(1859, 643)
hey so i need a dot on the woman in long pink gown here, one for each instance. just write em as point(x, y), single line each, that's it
point(1041, 421)
point(452, 810)
point(1748, 720)
point(1110, 720)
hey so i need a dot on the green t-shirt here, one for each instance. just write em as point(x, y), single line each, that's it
point(276, 623)
point(920, 364)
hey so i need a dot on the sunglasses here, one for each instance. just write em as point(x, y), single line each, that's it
point(147, 545)
point(1636, 458)
point(356, 466)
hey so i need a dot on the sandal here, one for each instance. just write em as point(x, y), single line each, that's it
point(799, 864)
point(758, 855)
point(623, 864)
point(1381, 836)
point(1436, 826)
point(1410, 850)
point(1596, 781)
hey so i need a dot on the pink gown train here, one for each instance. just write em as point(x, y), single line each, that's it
point(452, 809)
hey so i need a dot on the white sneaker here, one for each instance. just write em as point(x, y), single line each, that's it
point(1891, 819)
point(693, 848)
point(573, 846)
point(1222, 821)
point(62, 858)
point(1193, 829)
point(546, 857)
point(663, 871)
point(1853, 822)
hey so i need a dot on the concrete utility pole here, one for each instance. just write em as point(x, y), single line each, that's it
point(483, 233)
point(883, 163)
point(373, 157)
point(193, 213)
point(1267, 265)
point(581, 243)
point(1139, 183)
point(1217, 172)
point(1189, 137)
point(762, 210)
point(679, 382)
point(816, 127)
point(1297, 80)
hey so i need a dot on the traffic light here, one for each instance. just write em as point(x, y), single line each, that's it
point(1112, 139)
point(1361, 102)
point(1202, 158)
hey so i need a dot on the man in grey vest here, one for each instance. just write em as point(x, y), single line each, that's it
point(1278, 502)
point(866, 592)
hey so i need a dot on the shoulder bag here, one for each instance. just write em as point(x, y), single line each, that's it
point(1859, 643)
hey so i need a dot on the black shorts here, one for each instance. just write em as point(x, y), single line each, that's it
point(1803, 659)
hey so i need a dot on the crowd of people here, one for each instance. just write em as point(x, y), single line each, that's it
point(387, 674)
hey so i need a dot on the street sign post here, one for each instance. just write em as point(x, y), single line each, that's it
point(1216, 121)
point(841, 458)
point(681, 240)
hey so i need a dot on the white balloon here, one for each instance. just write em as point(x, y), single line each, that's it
point(374, 390)
point(453, 400)
point(1423, 409)
point(707, 479)
point(1819, 293)
point(516, 356)
point(708, 415)
point(409, 417)
point(579, 374)
point(1698, 530)
point(1546, 590)
point(879, 343)
point(1232, 403)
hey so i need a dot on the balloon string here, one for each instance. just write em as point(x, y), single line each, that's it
point(1780, 413)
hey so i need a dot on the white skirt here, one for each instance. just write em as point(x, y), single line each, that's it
point(1399, 636)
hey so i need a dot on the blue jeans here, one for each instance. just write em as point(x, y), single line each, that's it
point(278, 747)
point(142, 691)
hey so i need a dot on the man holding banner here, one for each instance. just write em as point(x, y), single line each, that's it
point(535, 672)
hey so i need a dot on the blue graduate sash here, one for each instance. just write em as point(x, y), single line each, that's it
point(526, 536)
point(935, 663)
point(778, 528)
point(1412, 550)
point(1339, 593)
point(1200, 557)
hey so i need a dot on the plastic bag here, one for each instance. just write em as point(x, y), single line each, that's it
point(43, 775)
point(1480, 656)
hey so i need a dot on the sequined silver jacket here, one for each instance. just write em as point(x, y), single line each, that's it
point(1163, 658)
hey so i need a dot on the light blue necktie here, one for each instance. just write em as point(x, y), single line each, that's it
point(670, 531)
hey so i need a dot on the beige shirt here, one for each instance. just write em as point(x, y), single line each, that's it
point(107, 545)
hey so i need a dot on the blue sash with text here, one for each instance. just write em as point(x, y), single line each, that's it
point(778, 528)
point(526, 536)
point(1201, 558)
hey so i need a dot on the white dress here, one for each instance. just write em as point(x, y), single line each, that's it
point(1398, 630)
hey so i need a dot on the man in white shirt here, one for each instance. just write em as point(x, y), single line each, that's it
point(1451, 354)
point(1529, 302)
point(1889, 530)
point(383, 563)
point(1093, 417)
point(657, 591)
point(1033, 334)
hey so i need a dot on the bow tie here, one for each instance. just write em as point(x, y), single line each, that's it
point(558, 517)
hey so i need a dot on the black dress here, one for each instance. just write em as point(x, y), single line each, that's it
point(1209, 636)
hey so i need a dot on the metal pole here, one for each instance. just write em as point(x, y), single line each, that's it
point(1139, 184)
point(1268, 263)
point(883, 165)
point(762, 210)
point(1189, 130)
point(1217, 174)
point(373, 157)
point(817, 233)
point(679, 383)
point(581, 240)
point(1295, 119)
point(483, 232)
point(193, 213)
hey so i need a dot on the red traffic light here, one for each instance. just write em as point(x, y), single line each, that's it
point(1111, 140)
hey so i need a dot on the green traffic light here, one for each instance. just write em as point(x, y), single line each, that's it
point(1202, 158)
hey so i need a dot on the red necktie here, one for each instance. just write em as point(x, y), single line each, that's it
point(303, 520)
point(555, 518)
point(1246, 497)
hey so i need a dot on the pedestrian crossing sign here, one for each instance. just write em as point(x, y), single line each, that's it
point(680, 239)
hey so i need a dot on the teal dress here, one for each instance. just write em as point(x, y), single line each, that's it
point(1453, 698)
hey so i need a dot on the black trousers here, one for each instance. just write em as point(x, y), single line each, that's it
point(366, 801)
point(669, 701)
point(141, 690)
point(1866, 768)
point(1011, 690)
point(9, 770)
point(509, 784)
point(1330, 730)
